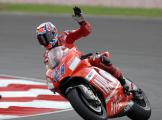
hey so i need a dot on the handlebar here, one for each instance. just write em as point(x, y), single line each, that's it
point(82, 57)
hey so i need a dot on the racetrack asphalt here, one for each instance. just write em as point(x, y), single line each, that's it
point(134, 43)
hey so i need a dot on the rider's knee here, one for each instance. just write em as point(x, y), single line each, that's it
point(107, 54)
point(105, 60)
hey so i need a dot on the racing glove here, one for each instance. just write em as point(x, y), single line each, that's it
point(78, 15)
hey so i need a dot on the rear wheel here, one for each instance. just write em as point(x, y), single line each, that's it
point(89, 110)
point(141, 110)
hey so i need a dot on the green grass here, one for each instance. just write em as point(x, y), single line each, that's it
point(89, 10)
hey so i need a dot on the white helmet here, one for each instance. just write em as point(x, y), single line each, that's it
point(47, 35)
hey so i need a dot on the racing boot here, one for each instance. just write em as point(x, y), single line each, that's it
point(116, 73)
point(124, 85)
point(138, 94)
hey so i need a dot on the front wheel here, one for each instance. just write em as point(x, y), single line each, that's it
point(84, 107)
point(141, 110)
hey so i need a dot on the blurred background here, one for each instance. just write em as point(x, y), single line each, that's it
point(109, 3)
point(91, 7)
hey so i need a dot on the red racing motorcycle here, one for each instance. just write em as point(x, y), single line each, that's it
point(94, 93)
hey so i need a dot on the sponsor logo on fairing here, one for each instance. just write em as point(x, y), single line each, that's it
point(105, 85)
point(108, 76)
point(74, 63)
point(59, 72)
point(90, 75)
point(116, 106)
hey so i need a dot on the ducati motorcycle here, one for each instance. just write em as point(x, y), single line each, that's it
point(94, 93)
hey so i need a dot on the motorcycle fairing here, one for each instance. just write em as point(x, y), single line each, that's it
point(109, 86)
point(115, 100)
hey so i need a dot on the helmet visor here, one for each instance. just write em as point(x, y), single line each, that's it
point(43, 40)
point(46, 38)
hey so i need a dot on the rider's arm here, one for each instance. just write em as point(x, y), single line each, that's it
point(84, 30)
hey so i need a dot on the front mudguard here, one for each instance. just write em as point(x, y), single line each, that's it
point(85, 90)
point(70, 83)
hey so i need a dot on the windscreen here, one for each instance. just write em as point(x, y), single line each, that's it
point(55, 55)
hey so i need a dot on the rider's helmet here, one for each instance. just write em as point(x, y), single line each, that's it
point(47, 35)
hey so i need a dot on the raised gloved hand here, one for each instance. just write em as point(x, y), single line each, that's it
point(77, 11)
point(78, 15)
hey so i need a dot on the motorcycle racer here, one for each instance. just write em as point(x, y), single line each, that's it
point(47, 35)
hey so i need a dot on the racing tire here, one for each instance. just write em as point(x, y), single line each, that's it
point(140, 112)
point(77, 102)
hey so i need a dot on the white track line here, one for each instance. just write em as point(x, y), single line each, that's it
point(29, 93)
point(2, 117)
point(37, 104)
